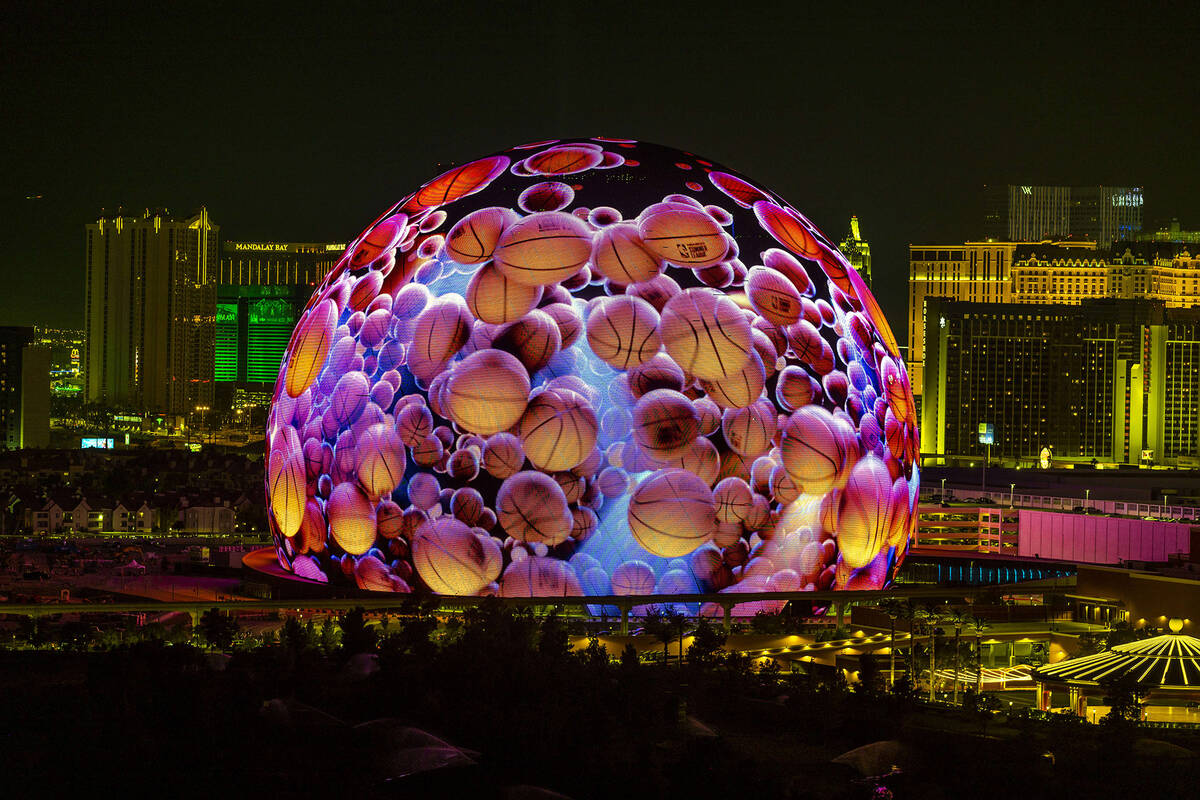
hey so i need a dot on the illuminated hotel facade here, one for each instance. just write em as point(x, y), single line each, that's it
point(1100, 214)
point(1113, 380)
point(149, 317)
point(1044, 272)
point(261, 289)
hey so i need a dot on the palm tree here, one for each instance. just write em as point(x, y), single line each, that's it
point(909, 612)
point(894, 609)
point(980, 625)
point(931, 616)
point(959, 619)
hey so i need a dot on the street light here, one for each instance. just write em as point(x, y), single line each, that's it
point(1011, 488)
point(943, 490)
point(1087, 497)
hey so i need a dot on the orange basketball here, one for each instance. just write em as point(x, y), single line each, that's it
point(487, 392)
point(558, 430)
point(473, 238)
point(749, 430)
point(665, 423)
point(532, 508)
point(787, 228)
point(671, 513)
point(706, 333)
point(620, 255)
point(682, 235)
point(285, 483)
point(773, 296)
point(623, 331)
point(495, 298)
point(310, 347)
point(564, 160)
point(544, 248)
point(741, 388)
point(458, 182)
point(440, 331)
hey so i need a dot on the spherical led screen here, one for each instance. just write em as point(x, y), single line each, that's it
point(592, 367)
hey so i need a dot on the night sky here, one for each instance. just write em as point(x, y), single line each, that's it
point(304, 128)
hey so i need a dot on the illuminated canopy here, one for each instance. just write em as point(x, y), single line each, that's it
point(1170, 661)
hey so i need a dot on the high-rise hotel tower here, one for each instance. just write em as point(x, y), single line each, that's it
point(150, 311)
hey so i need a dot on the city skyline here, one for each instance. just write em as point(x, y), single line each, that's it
point(895, 118)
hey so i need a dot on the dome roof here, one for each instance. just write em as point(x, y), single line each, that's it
point(592, 367)
point(1170, 661)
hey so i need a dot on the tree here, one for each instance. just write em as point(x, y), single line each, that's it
point(328, 638)
point(553, 643)
point(357, 635)
point(706, 641)
point(1124, 696)
point(908, 612)
point(930, 617)
point(666, 626)
point(218, 628)
point(894, 609)
point(868, 675)
point(957, 619)
point(293, 637)
point(595, 655)
point(629, 658)
point(979, 625)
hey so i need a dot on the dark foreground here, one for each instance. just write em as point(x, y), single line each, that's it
point(286, 720)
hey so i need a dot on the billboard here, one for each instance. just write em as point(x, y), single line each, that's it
point(592, 367)
point(100, 443)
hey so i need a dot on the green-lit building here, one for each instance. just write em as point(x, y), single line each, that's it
point(857, 250)
point(261, 289)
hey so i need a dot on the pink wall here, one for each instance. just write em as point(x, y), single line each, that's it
point(1099, 540)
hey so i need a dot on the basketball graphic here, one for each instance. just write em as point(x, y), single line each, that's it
point(473, 238)
point(544, 248)
point(683, 235)
point(587, 367)
point(623, 331)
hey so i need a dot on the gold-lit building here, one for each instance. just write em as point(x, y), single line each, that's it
point(1042, 272)
point(1054, 273)
point(974, 272)
point(857, 250)
point(149, 314)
